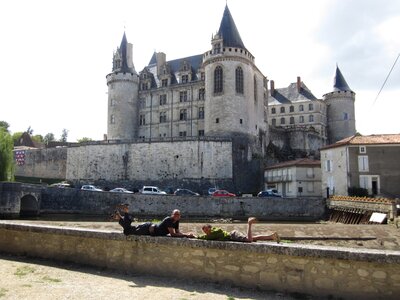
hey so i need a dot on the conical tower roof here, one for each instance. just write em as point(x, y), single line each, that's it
point(124, 57)
point(228, 31)
point(339, 83)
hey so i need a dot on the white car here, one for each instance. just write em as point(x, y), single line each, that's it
point(120, 190)
point(89, 187)
point(152, 190)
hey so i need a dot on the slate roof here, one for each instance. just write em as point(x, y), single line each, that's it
point(374, 139)
point(339, 83)
point(123, 49)
point(290, 94)
point(228, 31)
point(303, 162)
point(195, 62)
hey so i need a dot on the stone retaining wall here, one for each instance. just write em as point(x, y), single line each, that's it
point(320, 271)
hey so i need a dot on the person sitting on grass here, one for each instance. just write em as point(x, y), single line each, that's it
point(218, 234)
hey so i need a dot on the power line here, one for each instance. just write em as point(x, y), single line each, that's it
point(386, 79)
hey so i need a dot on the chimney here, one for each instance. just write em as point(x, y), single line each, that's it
point(298, 84)
point(272, 84)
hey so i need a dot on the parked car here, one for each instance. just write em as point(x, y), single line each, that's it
point(152, 190)
point(223, 193)
point(89, 187)
point(61, 185)
point(269, 193)
point(185, 192)
point(120, 190)
point(212, 190)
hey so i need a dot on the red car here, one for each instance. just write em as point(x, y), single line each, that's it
point(223, 193)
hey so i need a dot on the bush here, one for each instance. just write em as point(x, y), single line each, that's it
point(357, 192)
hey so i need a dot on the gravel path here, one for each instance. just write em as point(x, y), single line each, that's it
point(33, 279)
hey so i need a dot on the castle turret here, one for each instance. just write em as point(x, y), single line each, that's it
point(340, 110)
point(123, 85)
point(234, 86)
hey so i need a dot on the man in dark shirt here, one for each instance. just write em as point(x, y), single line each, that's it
point(170, 225)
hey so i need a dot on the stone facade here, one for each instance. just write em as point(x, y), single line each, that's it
point(156, 162)
point(368, 162)
point(48, 163)
point(16, 196)
point(318, 271)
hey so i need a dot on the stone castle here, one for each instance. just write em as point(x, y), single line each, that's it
point(222, 93)
point(205, 120)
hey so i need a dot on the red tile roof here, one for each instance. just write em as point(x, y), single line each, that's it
point(374, 139)
point(297, 162)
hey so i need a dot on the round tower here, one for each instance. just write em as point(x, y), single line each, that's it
point(340, 110)
point(123, 93)
point(234, 100)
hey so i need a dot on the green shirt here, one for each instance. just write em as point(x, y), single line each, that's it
point(216, 234)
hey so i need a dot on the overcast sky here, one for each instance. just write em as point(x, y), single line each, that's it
point(54, 55)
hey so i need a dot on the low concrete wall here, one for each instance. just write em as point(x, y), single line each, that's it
point(320, 271)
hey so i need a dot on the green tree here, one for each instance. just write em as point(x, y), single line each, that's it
point(4, 124)
point(6, 156)
point(37, 138)
point(84, 139)
point(16, 136)
point(48, 138)
point(64, 135)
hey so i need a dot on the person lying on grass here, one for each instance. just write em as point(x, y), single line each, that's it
point(218, 234)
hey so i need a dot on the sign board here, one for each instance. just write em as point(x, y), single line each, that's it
point(377, 217)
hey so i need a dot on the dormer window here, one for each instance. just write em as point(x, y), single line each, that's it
point(185, 78)
point(217, 48)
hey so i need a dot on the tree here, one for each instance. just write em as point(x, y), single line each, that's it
point(64, 135)
point(84, 140)
point(4, 124)
point(48, 138)
point(16, 136)
point(37, 138)
point(6, 156)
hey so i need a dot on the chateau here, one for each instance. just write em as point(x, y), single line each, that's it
point(222, 93)
point(205, 120)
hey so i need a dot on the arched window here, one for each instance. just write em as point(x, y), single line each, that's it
point(273, 110)
point(311, 107)
point(291, 120)
point(291, 108)
point(310, 118)
point(282, 121)
point(282, 109)
point(273, 122)
point(301, 107)
point(301, 119)
point(218, 77)
point(239, 80)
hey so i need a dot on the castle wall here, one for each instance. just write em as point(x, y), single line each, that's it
point(154, 161)
point(44, 163)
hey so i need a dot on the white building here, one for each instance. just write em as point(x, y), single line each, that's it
point(296, 178)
